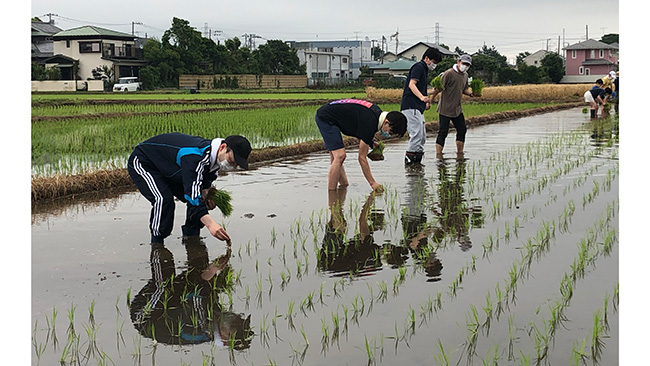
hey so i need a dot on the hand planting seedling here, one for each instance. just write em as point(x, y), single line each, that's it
point(221, 199)
point(377, 153)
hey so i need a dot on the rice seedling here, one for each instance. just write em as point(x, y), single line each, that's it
point(597, 335)
point(473, 325)
point(39, 349)
point(477, 87)
point(443, 358)
point(325, 336)
point(289, 315)
point(55, 340)
point(377, 152)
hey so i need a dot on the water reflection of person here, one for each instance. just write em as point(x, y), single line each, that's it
point(185, 308)
point(452, 210)
point(359, 255)
point(415, 227)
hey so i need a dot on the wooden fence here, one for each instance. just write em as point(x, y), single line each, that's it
point(246, 81)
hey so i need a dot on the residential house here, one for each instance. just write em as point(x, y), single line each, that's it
point(42, 44)
point(91, 47)
point(388, 57)
point(589, 60)
point(325, 67)
point(359, 53)
point(535, 59)
point(416, 51)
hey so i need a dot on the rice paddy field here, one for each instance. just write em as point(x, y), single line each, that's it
point(506, 255)
point(77, 138)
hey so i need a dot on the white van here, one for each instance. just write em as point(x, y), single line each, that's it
point(127, 84)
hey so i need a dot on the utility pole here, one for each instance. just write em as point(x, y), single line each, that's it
point(50, 16)
point(133, 27)
point(395, 35)
point(586, 32)
point(383, 41)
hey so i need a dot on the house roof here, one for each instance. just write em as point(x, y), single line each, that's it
point(590, 44)
point(597, 61)
point(444, 51)
point(580, 79)
point(540, 53)
point(61, 60)
point(44, 28)
point(401, 64)
point(91, 31)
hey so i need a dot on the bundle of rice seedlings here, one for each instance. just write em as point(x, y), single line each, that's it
point(436, 83)
point(477, 86)
point(377, 153)
point(221, 199)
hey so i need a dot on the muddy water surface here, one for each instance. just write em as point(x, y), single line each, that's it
point(465, 257)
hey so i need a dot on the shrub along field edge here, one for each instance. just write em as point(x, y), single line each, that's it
point(69, 186)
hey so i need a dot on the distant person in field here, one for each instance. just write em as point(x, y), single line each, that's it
point(608, 80)
point(360, 119)
point(596, 97)
point(615, 93)
point(415, 101)
point(455, 84)
point(176, 165)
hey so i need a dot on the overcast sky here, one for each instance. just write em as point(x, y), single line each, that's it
point(512, 26)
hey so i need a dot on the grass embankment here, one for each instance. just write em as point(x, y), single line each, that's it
point(73, 153)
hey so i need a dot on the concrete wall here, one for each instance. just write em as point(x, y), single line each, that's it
point(66, 85)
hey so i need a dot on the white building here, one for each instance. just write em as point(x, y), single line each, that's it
point(354, 54)
point(535, 59)
point(326, 67)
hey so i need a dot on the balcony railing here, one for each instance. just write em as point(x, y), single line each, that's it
point(125, 52)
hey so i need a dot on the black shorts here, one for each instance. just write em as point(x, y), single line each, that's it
point(331, 135)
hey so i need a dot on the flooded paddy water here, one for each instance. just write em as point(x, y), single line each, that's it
point(506, 255)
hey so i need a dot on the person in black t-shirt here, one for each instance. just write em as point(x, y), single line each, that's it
point(415, 102)
point(360, 119)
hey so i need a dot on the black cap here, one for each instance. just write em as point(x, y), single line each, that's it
point(241, 148)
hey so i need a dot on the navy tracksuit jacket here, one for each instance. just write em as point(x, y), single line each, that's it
point(173, 165)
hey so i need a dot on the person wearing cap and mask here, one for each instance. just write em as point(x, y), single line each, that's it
point(360, 119)
point(176, 165)
point(415, 102)
point(455, 83)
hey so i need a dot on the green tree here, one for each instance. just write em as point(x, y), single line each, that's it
point(167, 62)
point(528, 74)
point(521, 56)
point(553, 67)
point(277, 58)
point(487, 63)
point(39, 72)
point(610, 38)
point(187, 42)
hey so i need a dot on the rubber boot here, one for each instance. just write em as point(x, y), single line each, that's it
point(412, 157)
point(593, 113)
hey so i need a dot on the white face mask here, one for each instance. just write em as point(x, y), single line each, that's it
point(432, 66)
point(225, 166)
point(463, 67)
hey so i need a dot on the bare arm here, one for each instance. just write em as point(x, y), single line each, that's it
point(216, 230)
point(365, 166)
point(416, 92)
